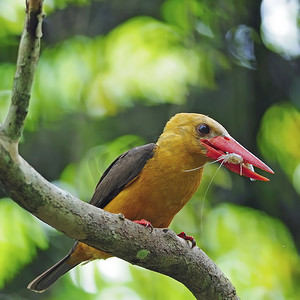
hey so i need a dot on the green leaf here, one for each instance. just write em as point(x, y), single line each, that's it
point(254, 250)
point(142, 60)
point(20, 236)
point(12, 15)
point(162, 287)
point(279, 139)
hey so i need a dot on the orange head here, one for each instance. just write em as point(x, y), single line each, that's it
point(204, 137)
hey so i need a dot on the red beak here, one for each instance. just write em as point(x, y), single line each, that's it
point(234, 156)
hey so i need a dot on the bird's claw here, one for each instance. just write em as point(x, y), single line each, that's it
point(145, 223)
point(187, 238)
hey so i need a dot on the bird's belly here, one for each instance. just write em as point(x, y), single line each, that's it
point(153, 205)
point(157, 203)
point(156, 199)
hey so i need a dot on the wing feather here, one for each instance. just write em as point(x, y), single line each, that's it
point(121, 171)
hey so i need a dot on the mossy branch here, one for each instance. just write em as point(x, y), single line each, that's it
point(28, 56)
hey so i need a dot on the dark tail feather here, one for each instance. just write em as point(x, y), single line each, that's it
point(45, 280)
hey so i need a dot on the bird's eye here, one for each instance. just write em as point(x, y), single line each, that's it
point(203, 129)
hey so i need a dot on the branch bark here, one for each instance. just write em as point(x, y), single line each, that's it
point(29, 50)
point(161, 251)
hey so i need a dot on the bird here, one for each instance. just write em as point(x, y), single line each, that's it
point(150, 184)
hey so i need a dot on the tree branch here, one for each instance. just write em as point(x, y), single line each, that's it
point(28, 56)
point(161, 251)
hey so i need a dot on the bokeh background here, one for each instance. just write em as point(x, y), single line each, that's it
point(111, 73)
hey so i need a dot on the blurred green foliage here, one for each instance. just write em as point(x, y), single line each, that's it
point(119, 71)
point(6, 74)
point(109, 76)
point(280, 125)
point(21, 235)
point(11, 18)
point(253, 250)
point(85, 175)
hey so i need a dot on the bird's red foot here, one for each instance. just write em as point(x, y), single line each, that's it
point(145, 223)
point(187, 238)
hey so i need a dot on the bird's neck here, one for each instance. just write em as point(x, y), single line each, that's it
point(173, 151)
point(173, 162)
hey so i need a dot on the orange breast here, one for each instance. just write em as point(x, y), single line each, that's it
point(157, 194)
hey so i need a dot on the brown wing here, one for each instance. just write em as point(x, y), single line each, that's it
point(124, 169)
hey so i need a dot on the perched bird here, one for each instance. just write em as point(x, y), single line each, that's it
point(151, 183)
